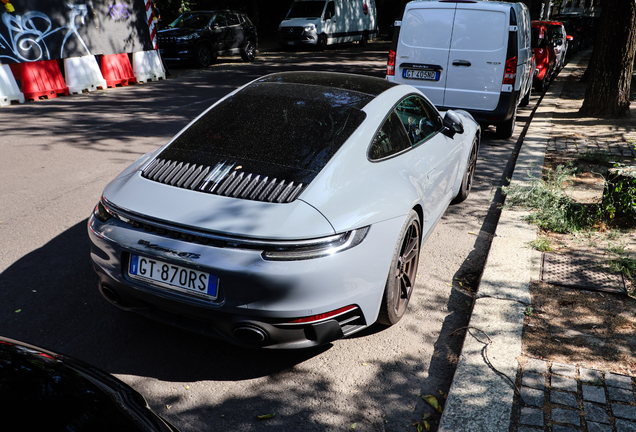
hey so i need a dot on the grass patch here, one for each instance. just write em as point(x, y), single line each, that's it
point(542, 244)
point(553, 209)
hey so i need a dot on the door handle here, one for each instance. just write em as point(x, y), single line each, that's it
point(461, 63)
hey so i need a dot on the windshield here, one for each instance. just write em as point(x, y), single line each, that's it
point(192, 21)
point(306, 9)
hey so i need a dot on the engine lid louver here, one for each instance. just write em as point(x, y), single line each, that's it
point(225, 179)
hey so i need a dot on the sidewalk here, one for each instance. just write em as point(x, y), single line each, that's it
point(557, 397)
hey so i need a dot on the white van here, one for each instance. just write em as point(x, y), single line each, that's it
point(325, 22)
point(472, 55)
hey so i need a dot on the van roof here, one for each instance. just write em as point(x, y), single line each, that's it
point(491, 4)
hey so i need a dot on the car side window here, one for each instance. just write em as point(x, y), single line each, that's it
point(232, 19)
point(219, 20)
point(331, 8)
point(390, 139)
point(421, 121)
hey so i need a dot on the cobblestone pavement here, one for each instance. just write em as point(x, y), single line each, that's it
point(561, 397)
point(574, 134)
point(567, 398)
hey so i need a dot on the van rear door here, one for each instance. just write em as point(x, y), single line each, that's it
point(477, 58)
point(422, 58)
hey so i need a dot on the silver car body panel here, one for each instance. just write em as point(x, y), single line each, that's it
point(350, 192)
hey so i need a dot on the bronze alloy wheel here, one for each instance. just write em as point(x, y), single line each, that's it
point(467, 180)
point(401, 280)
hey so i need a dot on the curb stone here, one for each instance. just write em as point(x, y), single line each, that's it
point(481, 399)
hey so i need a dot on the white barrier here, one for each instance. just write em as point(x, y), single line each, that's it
point(82, 73)
point(9, 90)
point(147, 66)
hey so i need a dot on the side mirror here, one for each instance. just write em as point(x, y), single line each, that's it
point(327, 16)
point(570, 38)
point(452, 124)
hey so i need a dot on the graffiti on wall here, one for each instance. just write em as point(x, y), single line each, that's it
point(61, 29)
point(28, 33)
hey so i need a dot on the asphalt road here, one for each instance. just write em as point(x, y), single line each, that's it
point(57, 155)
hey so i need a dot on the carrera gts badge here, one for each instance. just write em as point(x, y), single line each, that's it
point(170, 251)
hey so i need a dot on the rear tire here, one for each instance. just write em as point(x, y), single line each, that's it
point(507, 128)
point(248, 51)
point(541, 85)
point(526, 99)
point(401, 280)
point(467, 180)
point(364, 40)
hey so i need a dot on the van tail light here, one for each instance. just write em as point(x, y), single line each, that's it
point(510, 73)
point(390, 64)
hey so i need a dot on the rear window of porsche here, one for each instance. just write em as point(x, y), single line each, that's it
point(292, 125)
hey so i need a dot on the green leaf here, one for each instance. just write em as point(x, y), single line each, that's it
point(432, 401)
point(265, 416)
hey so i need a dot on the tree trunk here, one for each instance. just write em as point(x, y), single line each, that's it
point(612, 63)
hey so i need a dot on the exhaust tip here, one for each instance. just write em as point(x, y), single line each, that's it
point(110, 294)
point(250, 334)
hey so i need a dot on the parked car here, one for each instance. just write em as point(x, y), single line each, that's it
point(288, 214)
point(470, 55)
point(559, 40)
point(320, 23)
point(201, 36)
point(41, 390)
point(583, 27)
point(544, 55)
point(573, 37)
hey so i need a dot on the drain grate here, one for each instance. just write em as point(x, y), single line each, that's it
point(580, 271)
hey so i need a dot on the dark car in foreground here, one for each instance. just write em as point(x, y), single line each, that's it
point(287, 215)
point(201, 36)
point(41, 390)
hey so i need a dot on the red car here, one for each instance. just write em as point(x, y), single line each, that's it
point(544, 55)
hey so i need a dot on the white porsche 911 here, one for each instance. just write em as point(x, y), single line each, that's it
point(288, 214)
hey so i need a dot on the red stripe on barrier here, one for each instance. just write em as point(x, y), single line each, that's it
point(40, 79)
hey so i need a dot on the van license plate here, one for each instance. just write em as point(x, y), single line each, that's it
point(430, 75)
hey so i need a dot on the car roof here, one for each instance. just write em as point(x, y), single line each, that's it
point(371, 86)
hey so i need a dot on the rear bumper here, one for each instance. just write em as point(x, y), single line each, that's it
point(241, 330)
point(259, 302)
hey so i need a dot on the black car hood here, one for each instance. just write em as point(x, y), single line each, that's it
point(62, 393)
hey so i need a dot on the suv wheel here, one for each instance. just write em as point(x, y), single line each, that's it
point(526, 99)
point(204, 55)
point(248, 52)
